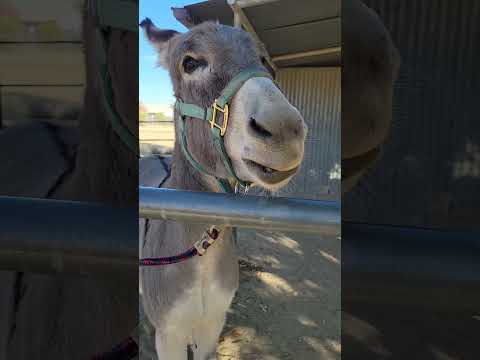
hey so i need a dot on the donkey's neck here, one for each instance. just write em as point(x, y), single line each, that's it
point(184, 176)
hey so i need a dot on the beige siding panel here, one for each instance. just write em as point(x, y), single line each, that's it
point(31, 64)
point(32, 21)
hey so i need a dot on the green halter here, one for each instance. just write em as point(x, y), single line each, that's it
point(113, 14)
point(220, 105)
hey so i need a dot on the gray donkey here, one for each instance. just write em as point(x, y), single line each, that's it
point(262, 144)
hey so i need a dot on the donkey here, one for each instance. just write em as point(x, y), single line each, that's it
point(263, 145)
point(370, 67)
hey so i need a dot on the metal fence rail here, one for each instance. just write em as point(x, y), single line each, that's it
point(241, 211)
point(46, 236)
point(395, 265)
point(52, 236)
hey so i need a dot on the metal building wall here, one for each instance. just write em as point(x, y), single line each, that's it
point(316, 93)
point(431, 166)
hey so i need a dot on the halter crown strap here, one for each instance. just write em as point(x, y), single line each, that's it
point(209, 114)
point(118, 14)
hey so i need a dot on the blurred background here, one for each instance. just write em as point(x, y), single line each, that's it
point(51, 91)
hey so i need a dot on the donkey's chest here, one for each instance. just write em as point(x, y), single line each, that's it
point(212, 290)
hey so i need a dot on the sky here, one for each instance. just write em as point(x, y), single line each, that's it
point(155, 88)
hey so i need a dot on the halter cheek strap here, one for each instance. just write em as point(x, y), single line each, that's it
point(210, 114)
point(223, 183)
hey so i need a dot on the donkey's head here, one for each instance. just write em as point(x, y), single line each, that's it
point(265, 135)
point(370, 66)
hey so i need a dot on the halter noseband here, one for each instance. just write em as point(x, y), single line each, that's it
point(210, 114)
point(113, 14)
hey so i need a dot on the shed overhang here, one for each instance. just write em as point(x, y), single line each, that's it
point(292, 32)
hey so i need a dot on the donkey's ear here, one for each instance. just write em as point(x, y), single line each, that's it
point(158, 38)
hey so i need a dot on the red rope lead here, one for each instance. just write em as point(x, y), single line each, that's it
point(169, 259)
point(198, 248)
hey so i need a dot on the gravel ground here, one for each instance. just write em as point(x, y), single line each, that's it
point(288, 303)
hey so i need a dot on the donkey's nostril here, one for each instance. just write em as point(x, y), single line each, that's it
point(259, 129)
point(298, 128)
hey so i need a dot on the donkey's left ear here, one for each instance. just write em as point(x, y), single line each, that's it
point(158, 38)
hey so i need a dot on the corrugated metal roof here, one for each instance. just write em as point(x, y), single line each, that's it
point(284, 26)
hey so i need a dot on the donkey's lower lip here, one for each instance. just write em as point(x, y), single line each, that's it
point(268, 175)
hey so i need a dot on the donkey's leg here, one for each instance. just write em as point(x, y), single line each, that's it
point(207, 335)
point(171, 346)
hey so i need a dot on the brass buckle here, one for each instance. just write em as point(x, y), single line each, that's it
point(213, 123)
point(206, 241)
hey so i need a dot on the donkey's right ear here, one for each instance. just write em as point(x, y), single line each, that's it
point(158, 38)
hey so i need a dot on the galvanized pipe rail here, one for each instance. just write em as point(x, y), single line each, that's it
point(388, 265)
point(256, 212)
point(52, 236)
point(46, 236)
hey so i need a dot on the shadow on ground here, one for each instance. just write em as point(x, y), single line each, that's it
point(288, 303)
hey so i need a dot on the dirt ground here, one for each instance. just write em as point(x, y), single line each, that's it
point(288, 303)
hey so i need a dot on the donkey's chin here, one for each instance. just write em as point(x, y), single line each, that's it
point(267, 177)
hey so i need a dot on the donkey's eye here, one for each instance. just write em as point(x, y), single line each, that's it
point(191, 64)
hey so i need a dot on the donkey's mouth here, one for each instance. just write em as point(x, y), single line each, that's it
point(268, 175)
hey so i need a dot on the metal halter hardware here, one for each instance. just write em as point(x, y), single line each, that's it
point(220, 105)
point(113, 14)
point(213, 120)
